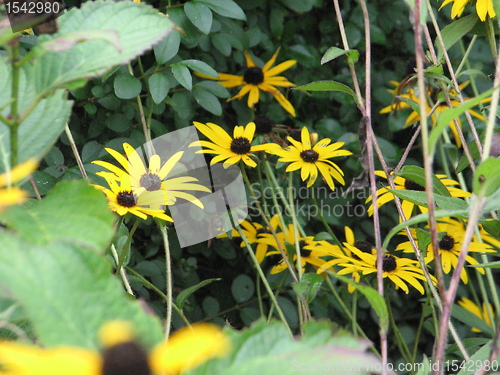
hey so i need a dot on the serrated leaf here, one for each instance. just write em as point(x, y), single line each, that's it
point(200, 15)
point(42, 127)
point(333, 52)
point(159, 85)
point(182, 75)
point(207, 100)
point(186, 293)
point(61, 215)
point(226, 8)
point(127, 86)
point(68, 41)
point(138, 26)
point(68, 292)
point(327, 86)
point(168, 47)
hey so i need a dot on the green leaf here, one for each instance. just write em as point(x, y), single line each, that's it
point(487, 265)
point(447, 115)
point(226, 8)
point(417, 175)
point(127, 86)
point(455, 31)
point(159, 85)
point(374, 298)
point(42, 127)
point(242, 288)
point(221, 42)
point(487, 177)
point(474, 151)
point(68, 292)
point(471, 319)
point(268, 349)
point(186, 293)
point(207, 100)
point(200, 67)
point(69, 40)
point(420, 198)
point(478, 359)
point(412, 103)
point(138, 26)
point(200, 15)
point(334, 52)
point(61, 215)
point(328, 86)
point(308, 286)
point(182, 75)
point(168, 47)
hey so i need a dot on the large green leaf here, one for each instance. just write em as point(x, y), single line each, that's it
point(328, 86)
point(62, 215)
point(68, 292)
point(41, 128)
point(455, 31)
point(138, 26)
point(268, 349)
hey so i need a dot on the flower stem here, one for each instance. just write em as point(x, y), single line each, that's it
point(14, 115)
point(168, 268)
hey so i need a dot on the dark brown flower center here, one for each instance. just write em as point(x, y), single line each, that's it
point(389, 263)
point(263, 124)
point(304, 252)
point(446, 243)
point(411, 185)
point(263, 230)
point(254, 76)
point(364, 246)
point(150, 182)
point(241, 146)
point(125, 358)
point(309, 156)
point(126, 199)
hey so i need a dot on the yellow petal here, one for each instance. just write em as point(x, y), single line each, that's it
point(189, 347)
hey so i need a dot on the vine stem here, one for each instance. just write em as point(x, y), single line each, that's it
point(123, 274)
point(14, 115)
point(168, 269)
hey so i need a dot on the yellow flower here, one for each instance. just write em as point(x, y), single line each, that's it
point(484, 314)
point(311, 251)
point(122, 200)
point(254, 232)
point(484, 8)
point(347, 253)
point(152, 178)
point(232, 150)
point(310, 160)
point(255, 79)
point(451, 233)
point(399, 270)
point(185, 349)
point(10, 195)
point(384, 195)
point(409, 93)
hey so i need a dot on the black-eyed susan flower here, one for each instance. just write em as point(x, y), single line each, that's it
point(408, 92)
point(10, 195)
point(384, 195)
point(484, 8)
point(311, 251)
point(399, 270)
point(311, 159)
point(451, 233)
point(254, 232)
point(256, 79)
point(226, 148)
point(151, 178)
point(347, 253)
point(121, 354)
point(484, 312)
point(123, 200)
